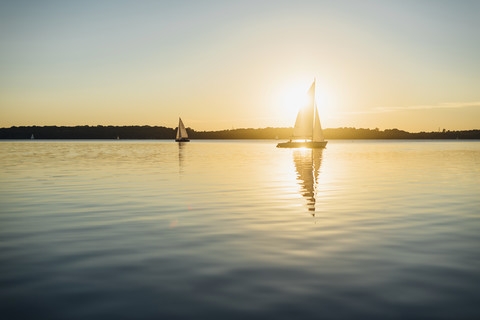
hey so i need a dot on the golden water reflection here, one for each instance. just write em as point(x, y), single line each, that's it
point(181, 156)
point(307, 164)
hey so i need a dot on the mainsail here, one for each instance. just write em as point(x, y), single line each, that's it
point(304, 123)
point(181, 131)
point(308, 124)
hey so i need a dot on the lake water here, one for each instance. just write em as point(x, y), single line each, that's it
point(239, 230)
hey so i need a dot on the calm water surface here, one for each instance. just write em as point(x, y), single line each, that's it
point(239, 229)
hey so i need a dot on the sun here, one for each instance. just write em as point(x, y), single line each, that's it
point(293, 96)
point(290, 99)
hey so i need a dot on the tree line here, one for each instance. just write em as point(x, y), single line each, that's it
point(159, 132)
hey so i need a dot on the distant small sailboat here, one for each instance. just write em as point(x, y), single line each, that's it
point(307, 126)
point(182, 135)
point(32, 137)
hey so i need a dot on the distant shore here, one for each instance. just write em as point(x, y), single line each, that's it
point(158, 132)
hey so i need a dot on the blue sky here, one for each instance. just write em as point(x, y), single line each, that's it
point(219, 64)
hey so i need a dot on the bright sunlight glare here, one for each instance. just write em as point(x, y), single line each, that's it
point(293, 96)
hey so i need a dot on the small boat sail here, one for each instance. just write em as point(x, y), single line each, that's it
point(32, 137)
point(307, 126)
point(182, 135)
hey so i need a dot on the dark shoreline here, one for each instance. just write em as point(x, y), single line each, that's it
point(158, 132)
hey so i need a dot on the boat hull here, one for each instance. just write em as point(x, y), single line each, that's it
point(303, 144)
point(182, 140)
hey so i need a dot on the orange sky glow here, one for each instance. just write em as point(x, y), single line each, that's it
point(411, 65)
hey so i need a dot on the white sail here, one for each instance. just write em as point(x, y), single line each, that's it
point(304, 123)
point(317, 128)
point(307, 126)
point(181, 131)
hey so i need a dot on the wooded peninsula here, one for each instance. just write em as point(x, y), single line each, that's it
point(158, 132)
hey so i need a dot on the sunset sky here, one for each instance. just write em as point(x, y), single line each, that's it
point(412, 65)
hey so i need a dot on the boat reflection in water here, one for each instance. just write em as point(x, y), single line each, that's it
point(307, 163)
point(181, 156)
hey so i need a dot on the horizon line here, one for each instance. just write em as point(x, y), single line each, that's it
point(232, 129)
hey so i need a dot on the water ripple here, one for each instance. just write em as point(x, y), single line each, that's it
point(239, 229)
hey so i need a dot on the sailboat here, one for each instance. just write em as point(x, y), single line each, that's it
point(182, 135)
point(307, 126)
